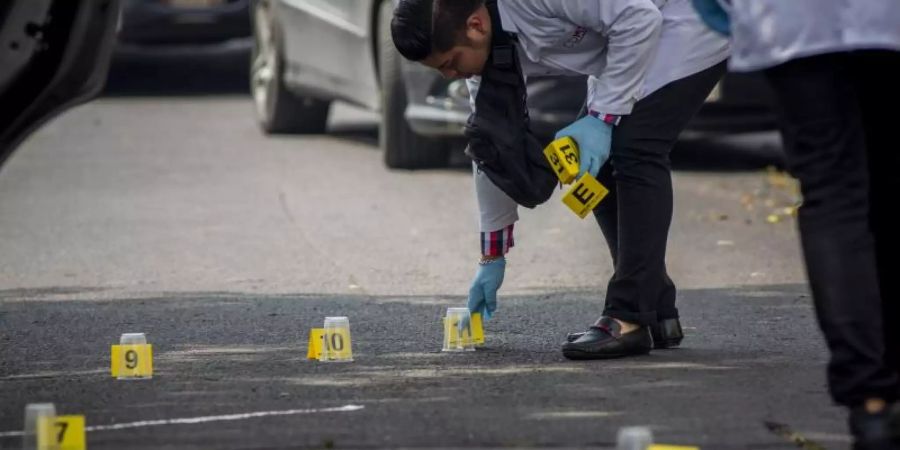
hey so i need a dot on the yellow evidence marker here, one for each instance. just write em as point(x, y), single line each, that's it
point(316, 343)
point(61, 433)
point(133, 361)
point(587, 192)
point(459, 337)
point(337, 345)
point(563, 157)
point(584, 195)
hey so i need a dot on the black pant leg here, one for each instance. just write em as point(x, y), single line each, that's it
point(641, 290)
point(607, 212)
point(876, 75)
point(828, 156)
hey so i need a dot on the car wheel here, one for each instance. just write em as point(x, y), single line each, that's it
point(403, 148)
point(278, 110)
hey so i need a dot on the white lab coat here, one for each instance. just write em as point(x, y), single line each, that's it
point(770, 32)
point(628, 48)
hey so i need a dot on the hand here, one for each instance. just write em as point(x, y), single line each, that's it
point(483, 293)
point(593, 137)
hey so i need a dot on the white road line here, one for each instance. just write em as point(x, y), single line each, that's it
point(205, 419)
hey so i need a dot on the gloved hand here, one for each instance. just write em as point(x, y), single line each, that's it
point(713, 15)
point(483, 293)
point(594, 138)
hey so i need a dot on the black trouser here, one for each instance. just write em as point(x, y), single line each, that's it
point(636, 215)
point(843, 144)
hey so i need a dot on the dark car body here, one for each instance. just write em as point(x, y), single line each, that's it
point(54, 54)
point(167, 26)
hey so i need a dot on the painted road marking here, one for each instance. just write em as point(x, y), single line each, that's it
point(206, 419)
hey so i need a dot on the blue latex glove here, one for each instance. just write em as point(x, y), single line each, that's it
point(713, 15)
point(483, 293)
point(594, 138)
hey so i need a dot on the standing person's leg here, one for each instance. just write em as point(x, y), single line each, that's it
point(828, 155)
point(637, 225)
point(667, 332)
point(641, 290)
point(876, 75)
point(607, 212)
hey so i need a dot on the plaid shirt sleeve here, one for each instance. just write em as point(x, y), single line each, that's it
point(497, 243)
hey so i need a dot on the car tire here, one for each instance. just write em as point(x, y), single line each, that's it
point(403, 148)
point(278, 110)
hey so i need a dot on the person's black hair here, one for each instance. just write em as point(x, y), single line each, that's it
point(421, 27)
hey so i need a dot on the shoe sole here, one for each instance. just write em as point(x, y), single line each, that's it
point(667, 345)
point(579, 355)
point(656, 346)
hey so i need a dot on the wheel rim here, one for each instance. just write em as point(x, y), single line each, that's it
point(265, 62)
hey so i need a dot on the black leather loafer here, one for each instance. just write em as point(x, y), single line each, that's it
point(605, 340)
point(666, 334)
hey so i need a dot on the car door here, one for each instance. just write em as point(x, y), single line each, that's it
point(328, 47)
point(54, 54)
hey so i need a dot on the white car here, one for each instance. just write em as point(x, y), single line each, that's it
point(308, 53)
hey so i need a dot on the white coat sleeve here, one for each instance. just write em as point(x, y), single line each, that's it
point(632, 28)
point(496, 209)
